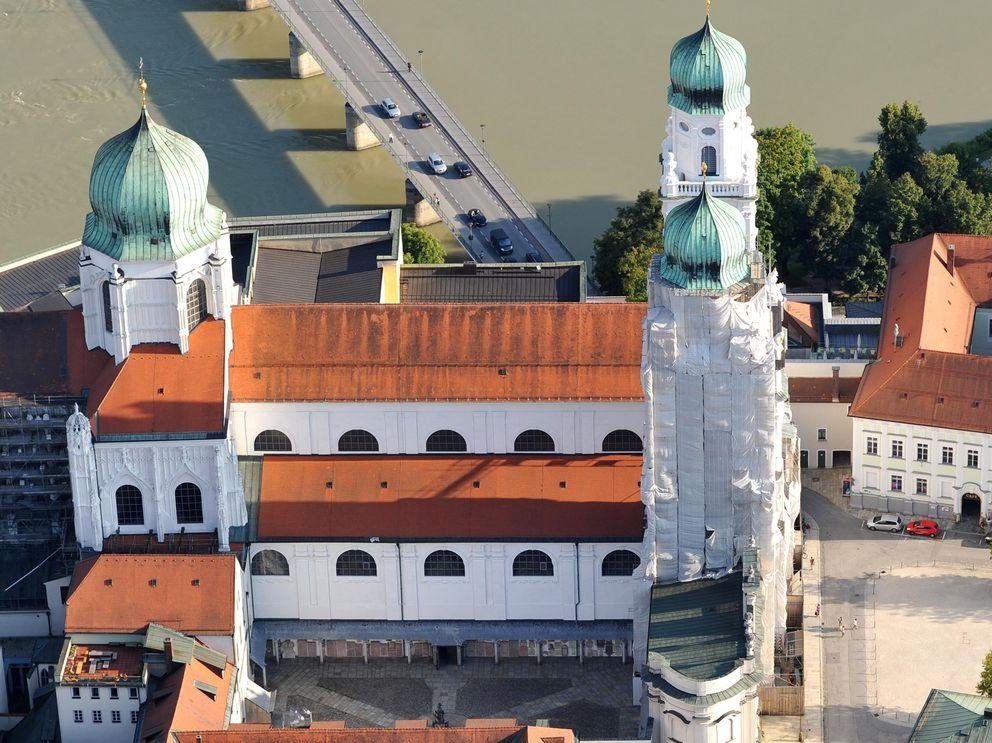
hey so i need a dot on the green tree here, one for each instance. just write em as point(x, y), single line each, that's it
point(785, 155)
point(985, 683)
point(948, 205)
point(640, 223)
point(899, 140)
point(867, 269)
point(420, 246)
point(633, 271)
point(828, 211)
point(902, 211)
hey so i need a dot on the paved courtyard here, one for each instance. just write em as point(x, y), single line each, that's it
point(592, 698)
point(933, 629)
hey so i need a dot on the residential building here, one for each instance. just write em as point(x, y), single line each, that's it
point(922, 432)
point(953, 717)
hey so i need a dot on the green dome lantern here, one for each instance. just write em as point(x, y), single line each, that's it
point(705, 245)
point(709, 73)
point(148, 192)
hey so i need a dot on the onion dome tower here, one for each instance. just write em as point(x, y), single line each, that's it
point(155, 258)
point(709, 125)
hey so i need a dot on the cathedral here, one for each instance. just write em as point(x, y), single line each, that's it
point(408, 480)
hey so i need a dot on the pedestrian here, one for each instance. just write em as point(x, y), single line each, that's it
point(817, 612)
point(812, 561)
point(409, 67)
point(390, 139)
point(840, 625)
point(854, 624)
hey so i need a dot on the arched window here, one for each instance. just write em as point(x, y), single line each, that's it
point(189, 504)
point(446, 441)
point(623, 440)
point(196, 303)
point(272, 440)
point(357, 440)
point(130, 511)
point(620, 563)
point(708, 156)
point(108, 315)
point(444, 564)
point(269, 562)
point(533, 440)
point(356, 563)
point(533, 563)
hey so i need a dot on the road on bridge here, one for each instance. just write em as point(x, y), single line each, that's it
point(367, 66)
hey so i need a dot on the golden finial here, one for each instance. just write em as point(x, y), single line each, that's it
point(142, 85)
point(708, 8)
point(704, 170)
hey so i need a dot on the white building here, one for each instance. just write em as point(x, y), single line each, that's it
point(721, 475)
point(922, 429)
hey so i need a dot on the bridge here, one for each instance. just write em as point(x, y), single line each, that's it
point(339, 39)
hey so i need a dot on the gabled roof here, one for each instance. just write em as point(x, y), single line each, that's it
point(122, 594)
point(320, 733)
point(952, 716)
point(459, 497)
point(437, 352)
point(194, 696)
point(822, 389)
point(804, 317)
point(931, 379)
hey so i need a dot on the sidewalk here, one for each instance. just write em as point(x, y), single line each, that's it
point(812, 635)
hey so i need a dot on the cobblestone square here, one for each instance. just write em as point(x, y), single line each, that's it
point(593, 698)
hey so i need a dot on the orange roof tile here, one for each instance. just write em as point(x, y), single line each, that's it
point(124, 593)
point(180, 702)
point(821, 389)
point(463, 497)
point(251, 734)
point(932, 379)
point(437, 352)
point(157, 389)
point(803, 316)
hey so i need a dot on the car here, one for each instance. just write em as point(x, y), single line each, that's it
point(390, 109)
point(533, 257)
point(422, 119)
point(501, 242)
point(923, 528)
point(464, 170)
point(885, 522)
point(475, 218)
point(436, 163)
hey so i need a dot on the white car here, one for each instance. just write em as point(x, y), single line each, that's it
point(885, 522)
point(390, 109)
point(436, 163)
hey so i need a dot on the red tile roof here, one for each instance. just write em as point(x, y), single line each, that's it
point(182, 701)
point(124, 593)
point(463, 497)
point(157, 389)
point(821, 389)
point(437, 352)
point(804, 317)
point(932, 379)
point(253, 734)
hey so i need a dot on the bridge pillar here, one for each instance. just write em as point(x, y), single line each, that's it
point(250, 4)
point(418, 209)
point(357, 133)
point(301, 62)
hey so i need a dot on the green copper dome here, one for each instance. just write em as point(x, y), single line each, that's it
point(148, 191)
point(709, 73)
point(705, 245)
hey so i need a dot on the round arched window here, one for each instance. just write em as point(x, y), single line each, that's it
point(356, 564)
point(620, 563)
point(533, 440)
point(533, 563)
point(623, 440)
point(444, 564)
point(269, 562)
point(446, 441)
point(273, 440)
point(358, 440)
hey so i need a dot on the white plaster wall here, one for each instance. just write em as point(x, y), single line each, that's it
point(946, 483)
point(56, 607)
point(400, 590)
point(24, 624)
point(403, 428)
point(88, 731)
point(811, 416)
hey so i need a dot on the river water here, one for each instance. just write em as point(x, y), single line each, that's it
point(572, 93)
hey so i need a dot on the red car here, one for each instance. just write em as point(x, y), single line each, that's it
point(923, 528)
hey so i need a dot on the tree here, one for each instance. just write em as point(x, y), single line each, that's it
point(948, 205)
point(633, 270)
point(827, 214)
point(640, 223)
point(420, 246)
point(785, 155)
point(899, 140)
point(867, 269)
point(985, 683)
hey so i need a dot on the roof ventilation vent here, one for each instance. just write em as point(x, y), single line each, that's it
point(195, 582)
point(476, 484)
point(561, 483)
point(974, 404)
point(153, 582)
point(383, 484)
point(940, 400)
point(329, 484)
point(502, 372)
point(109, 582)
point(257, 375)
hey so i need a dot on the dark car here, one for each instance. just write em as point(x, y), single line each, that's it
point(501, 241)
point(464, 170)
point(476, 218)
point(533, 257)
point(422, 119)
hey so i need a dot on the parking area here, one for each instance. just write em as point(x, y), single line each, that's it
point(593, 698)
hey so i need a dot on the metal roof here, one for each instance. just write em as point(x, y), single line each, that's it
point(250, 469)
point(28, 280)
point(952, 716)
point(708, 72)
point(698, 627)
point(471, 282)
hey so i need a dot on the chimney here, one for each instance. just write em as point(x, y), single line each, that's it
point(836, 385)
point(950, 258)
